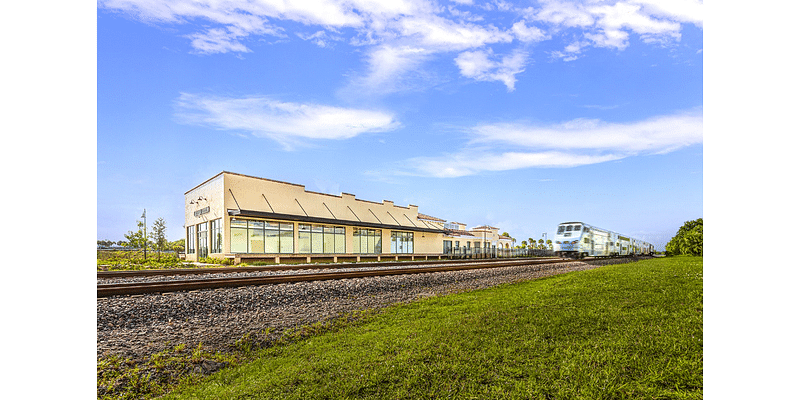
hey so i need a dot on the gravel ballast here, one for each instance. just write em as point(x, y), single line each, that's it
point(137, 326)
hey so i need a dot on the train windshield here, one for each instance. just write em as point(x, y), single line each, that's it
point(568, 228)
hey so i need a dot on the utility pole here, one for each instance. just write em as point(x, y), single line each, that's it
point(144, 215)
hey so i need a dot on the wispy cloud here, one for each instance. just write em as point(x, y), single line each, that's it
point(401, 36)
point(656, 135)
point(390, 69)
point(319, 38)
point(479, 66)
point(608, 23)
point(471, 162)
point(508, 146)
point(290, 124)
point(217, 41)
point(599, 107)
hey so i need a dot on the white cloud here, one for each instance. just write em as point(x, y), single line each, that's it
point(527, 34)
point(217, 41)
point(409, 33)
point(689, 11)
point(569, 144)
point(389, 70)
point(608, 23)
point(445, 35)
point(655, 135)
point(287, 123)
point(473, 162)
point(319, 38)
point(477, 65)
point(571, 52)
point(247, 15)
point(562, 14)
point(613, 19)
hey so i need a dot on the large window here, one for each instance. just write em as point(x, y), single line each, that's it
point(318, 239)
point(202, 239)
point(215, 235)
point(265, 237)
point(366, 241)
point(448, 246)
point(255, 236)
point(334, 239)
point(190, 240)
point(402, 242)
point(286, 238)
point(238, 236)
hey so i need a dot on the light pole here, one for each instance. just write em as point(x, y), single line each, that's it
point(144, 215)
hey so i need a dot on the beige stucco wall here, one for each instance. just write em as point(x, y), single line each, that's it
point(207, 194)
point(285, 198)
point(230, 191)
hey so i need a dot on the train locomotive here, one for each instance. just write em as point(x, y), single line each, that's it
point(578, 240)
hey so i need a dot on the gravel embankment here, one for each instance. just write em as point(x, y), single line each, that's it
point(138, 326)
point(340, 268)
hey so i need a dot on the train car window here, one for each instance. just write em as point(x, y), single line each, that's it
point(577, 227)
point(569, 228)
point(585, 229)
point(561, 229)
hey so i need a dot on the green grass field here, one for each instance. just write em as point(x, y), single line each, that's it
point(622, 331)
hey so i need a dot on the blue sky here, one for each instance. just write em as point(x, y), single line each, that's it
point(520, 115)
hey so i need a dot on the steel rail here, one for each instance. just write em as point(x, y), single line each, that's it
point(107, 290)
point(287, 267)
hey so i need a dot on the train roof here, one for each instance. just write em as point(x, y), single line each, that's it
point(604, 230)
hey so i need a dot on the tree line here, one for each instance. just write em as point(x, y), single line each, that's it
point(156, 239)
point(531, 243)
point(688, 240)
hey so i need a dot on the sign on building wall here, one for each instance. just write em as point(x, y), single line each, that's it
point(202, 211)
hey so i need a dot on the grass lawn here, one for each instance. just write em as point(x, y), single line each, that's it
point(622, 331)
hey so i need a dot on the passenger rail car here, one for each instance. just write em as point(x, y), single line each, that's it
point(577, 240)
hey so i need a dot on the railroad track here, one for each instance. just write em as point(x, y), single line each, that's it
point(121, 289)
point(283, 267)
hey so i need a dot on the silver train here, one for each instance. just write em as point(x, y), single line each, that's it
point(577, 240)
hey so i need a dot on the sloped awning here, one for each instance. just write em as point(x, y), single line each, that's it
point(330, 221)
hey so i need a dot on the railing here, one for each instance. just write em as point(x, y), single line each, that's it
point(473, 252)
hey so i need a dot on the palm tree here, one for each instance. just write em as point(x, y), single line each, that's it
point(532, 242)
point(541, 243)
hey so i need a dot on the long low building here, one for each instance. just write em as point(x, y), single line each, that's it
point(247, 218)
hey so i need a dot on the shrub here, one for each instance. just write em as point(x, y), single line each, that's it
point(688, 240)
point(134, 260)
point(214, 260)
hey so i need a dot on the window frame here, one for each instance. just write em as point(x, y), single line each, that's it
point(190, 239)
